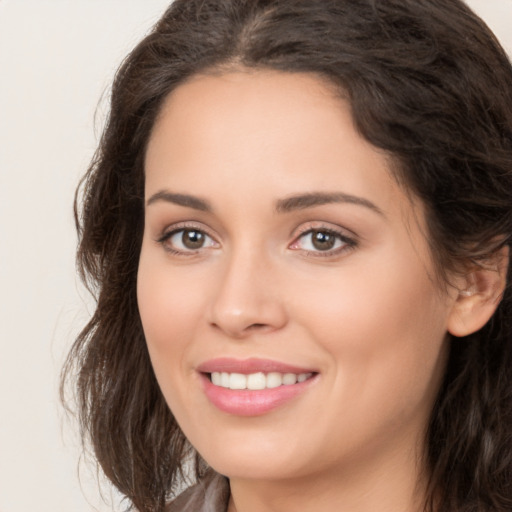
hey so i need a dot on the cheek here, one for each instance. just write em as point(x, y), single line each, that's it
point(170, 309)
point(383, 326)
point(376, 304)
point(167, 298)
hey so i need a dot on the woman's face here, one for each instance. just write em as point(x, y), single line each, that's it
point(279, 254)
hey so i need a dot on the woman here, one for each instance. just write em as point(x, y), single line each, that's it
point(298, 225)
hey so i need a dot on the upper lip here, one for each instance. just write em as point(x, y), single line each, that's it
point(251, 365)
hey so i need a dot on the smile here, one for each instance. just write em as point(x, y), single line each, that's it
point(258, 380)
point(253, 387)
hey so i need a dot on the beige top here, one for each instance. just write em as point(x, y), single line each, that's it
point(211, 494)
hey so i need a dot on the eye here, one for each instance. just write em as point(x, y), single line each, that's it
point(186, 240)
point(322, 240)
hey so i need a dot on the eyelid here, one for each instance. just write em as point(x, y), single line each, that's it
point(316, 225)
point(172, 229)
point(177, 226)
point(349, 238)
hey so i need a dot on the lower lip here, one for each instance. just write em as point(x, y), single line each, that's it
point(247, 402)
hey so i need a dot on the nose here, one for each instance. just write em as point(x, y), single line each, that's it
point(247, 298)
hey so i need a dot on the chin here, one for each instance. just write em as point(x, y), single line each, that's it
point(257, 459)
point(254, 469)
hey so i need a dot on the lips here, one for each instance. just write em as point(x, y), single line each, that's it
point(247, 366)
point(253, 387)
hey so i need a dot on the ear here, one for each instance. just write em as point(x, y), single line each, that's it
point(480, 292)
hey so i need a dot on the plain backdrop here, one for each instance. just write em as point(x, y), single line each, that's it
point(57, 58)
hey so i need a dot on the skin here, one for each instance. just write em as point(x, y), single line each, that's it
point(368, 316)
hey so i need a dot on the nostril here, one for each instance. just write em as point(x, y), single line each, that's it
point(256, 326)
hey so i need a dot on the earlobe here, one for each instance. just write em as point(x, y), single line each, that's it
point(480, 295)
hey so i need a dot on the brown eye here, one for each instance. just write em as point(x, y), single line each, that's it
point(323, 240)
point(183, 241)
point(192, 239)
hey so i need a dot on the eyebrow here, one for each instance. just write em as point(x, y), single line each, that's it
point(289, 204)
point(180, 199)
point(303, 201)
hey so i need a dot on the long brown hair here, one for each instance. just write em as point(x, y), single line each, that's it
point(428, 83)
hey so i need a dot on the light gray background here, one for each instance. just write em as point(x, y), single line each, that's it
point(57, 58)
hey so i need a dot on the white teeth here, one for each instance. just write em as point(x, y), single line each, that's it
point(256, 381)
point(289, 379)
point(274, 380)
point(237, 381)
point(224, 380)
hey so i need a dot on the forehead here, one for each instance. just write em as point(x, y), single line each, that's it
point(257, 102)
point(245, 119)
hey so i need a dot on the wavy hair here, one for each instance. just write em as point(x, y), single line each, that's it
point(428, 83)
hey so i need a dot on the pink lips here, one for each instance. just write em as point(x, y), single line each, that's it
point(251, 402)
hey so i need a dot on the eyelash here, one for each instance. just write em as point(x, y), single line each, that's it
point(348, 243)
point(167, 235)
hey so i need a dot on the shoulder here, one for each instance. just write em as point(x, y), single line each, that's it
point(210, 494)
